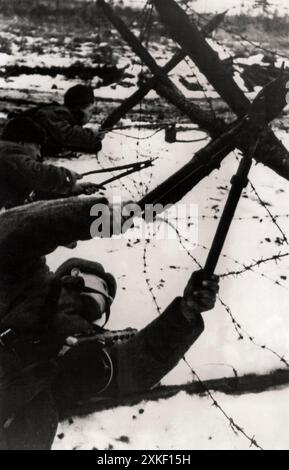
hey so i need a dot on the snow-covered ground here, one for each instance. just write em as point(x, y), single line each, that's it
point(185, 76)
point(183, 422)
point(258, 299)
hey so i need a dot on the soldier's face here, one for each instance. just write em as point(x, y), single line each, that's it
point(95, 302)
point(87, 113)
point(101, 290)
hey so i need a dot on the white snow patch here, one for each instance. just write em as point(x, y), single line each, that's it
point(256, 301)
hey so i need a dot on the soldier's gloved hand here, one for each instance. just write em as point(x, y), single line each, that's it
point(65, 325)
point(74, 177)
point(73, 283)
point(101, 135)
point(86, 188)
point(199, 294)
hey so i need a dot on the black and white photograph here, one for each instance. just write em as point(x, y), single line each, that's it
point(144, 227)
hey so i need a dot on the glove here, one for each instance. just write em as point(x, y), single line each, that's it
point(65, 325)
point(86, 188)
point(199, 294)
point(74, 177)
point(98, 145)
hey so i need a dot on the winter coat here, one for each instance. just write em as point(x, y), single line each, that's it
point(27, 234)
point(20, 175)
point(64, 131)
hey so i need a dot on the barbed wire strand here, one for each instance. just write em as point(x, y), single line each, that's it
point(265, 206)
point(245, 268)
point(241, 331)
point(233, 425)
point(271, 216)
point(237, 326)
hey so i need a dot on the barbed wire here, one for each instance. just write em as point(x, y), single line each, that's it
point(264, 205)
point(234, 426)
point(120, 182)
point(211, 106)
point(240, 330)
point(249, 267)
point(237, 429)
point(148, 184)
point(161, 128)
point(270, 215)
point(208, 99)
point(217, 217)
point(137, 184)
point(144, 36)
point(246, 218)
point(147, 279)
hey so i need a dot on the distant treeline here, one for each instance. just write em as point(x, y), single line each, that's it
point(77, 12)
point(49, 10)
point(267, 23)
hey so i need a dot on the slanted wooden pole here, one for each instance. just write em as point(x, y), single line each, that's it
point(185, 32)
point(165, 86)
point(209, 158)
point(143, 90)
point(271, 152)
point(239, 182)
point(259, 115)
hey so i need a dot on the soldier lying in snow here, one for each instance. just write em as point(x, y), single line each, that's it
point(45, 366)
point(21, 169)
point(64, 123)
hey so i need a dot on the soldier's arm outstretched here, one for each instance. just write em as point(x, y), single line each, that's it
point(35, 230)
point(144, 360)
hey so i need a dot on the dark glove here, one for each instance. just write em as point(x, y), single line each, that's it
point(65, 325)
point(86, 188)
point(98, 146)
point(75, 284)
point(200, 294)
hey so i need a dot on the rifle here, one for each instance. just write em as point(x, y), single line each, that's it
point(105, 338)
